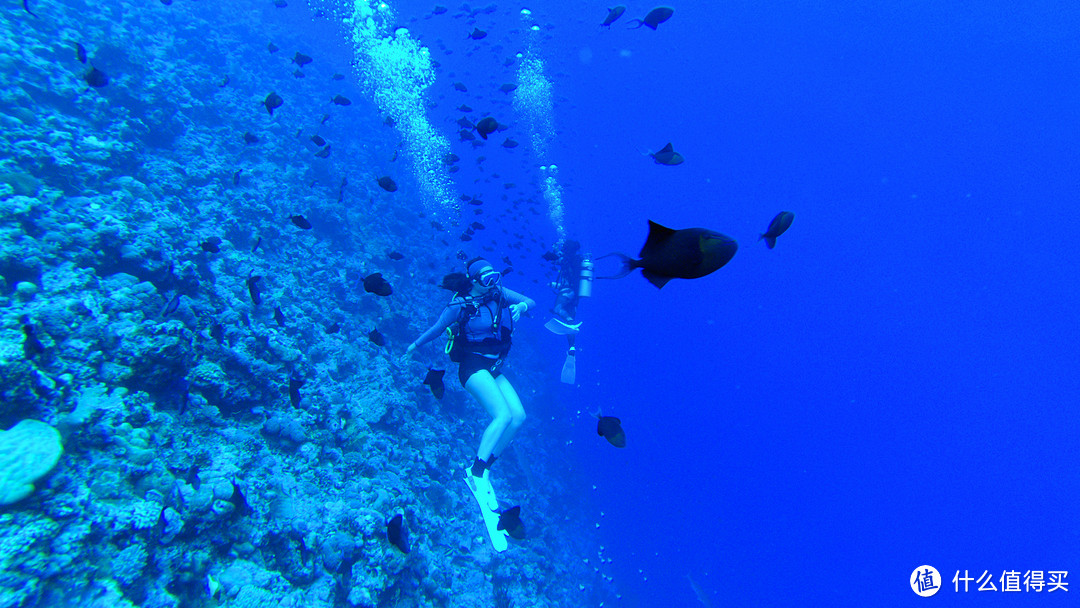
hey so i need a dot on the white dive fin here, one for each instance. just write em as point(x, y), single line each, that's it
point(569, 368)
point(489, 507)
point(556, 326)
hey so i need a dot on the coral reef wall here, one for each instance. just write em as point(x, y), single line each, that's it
point(138, 219)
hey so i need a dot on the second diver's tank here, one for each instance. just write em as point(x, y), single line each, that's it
point(585, 284)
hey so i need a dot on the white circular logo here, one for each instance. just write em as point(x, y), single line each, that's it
point(925, 581)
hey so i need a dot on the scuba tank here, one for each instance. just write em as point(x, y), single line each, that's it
point(585, 285)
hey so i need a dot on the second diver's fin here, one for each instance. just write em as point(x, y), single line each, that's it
point(569, 367)
point(558, 327)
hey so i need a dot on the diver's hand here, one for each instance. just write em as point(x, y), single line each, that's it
point(517, 309)
point(408, 352)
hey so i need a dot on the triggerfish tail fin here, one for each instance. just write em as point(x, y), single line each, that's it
point(639, 22)
point(628, 264)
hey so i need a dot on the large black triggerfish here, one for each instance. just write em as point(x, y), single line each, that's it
point(668, 254)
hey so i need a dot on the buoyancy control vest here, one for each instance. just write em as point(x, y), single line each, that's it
point(495, 338)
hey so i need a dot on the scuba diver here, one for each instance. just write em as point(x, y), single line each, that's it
point(573, 282)
point(480, 318)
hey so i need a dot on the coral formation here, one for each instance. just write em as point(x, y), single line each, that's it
point(185, 462)
point(28, 451)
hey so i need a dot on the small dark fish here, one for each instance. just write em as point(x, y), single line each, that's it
point(272, 47)
point(655, 17)
point(486, 126)
point(96, 78)
point(253, 289)
point(510, 520)
point(272, 102)
point(434, 381)
point(297, 74)
point(181, 389)
point(394, 157)
point(465, 237)
point(508, 88)
point(509, 143)
point(610, 428)
point(171, 306)
point(26, 7)
point(376, 338)
point(777, 226)
point(300, 222)
point(318, 141)
point(192, 477)
point(258, 242)
point(333, 328)
point(80, 52)
point(279, 316)
point(31, 345)
point(376, 284)
point(453, 169)
point(387, 184)
point(301, 59)
point(476, 201)
point(341, 100)
point(325, 117)
point(506, 271)
point(506, 260)
point(451, 158)
point(465, 123)
point(668, 254)
point(395, 255)
point(249, 138)
point(211, 245)
point(397, 533)
point(236, 177)
point(478, 34)
point(294, 390)
point(390, 122)
point(325, 152)
point(280, 3)
point(550, 256)
point(460, 86)
point(613, 15)
point(438, 10)
point(239, 501)
point(464, 108)
point(667, 156)
point(466, 135)
point(476, 226)
point(337, 77)
point(217, 332)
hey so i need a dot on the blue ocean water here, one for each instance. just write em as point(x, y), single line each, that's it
point(893, 385)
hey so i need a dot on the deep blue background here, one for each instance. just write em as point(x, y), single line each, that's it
point(896, 383)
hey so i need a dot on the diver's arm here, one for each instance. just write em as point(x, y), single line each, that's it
point(518, 303)
point(516, 298)
point(448, 316)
